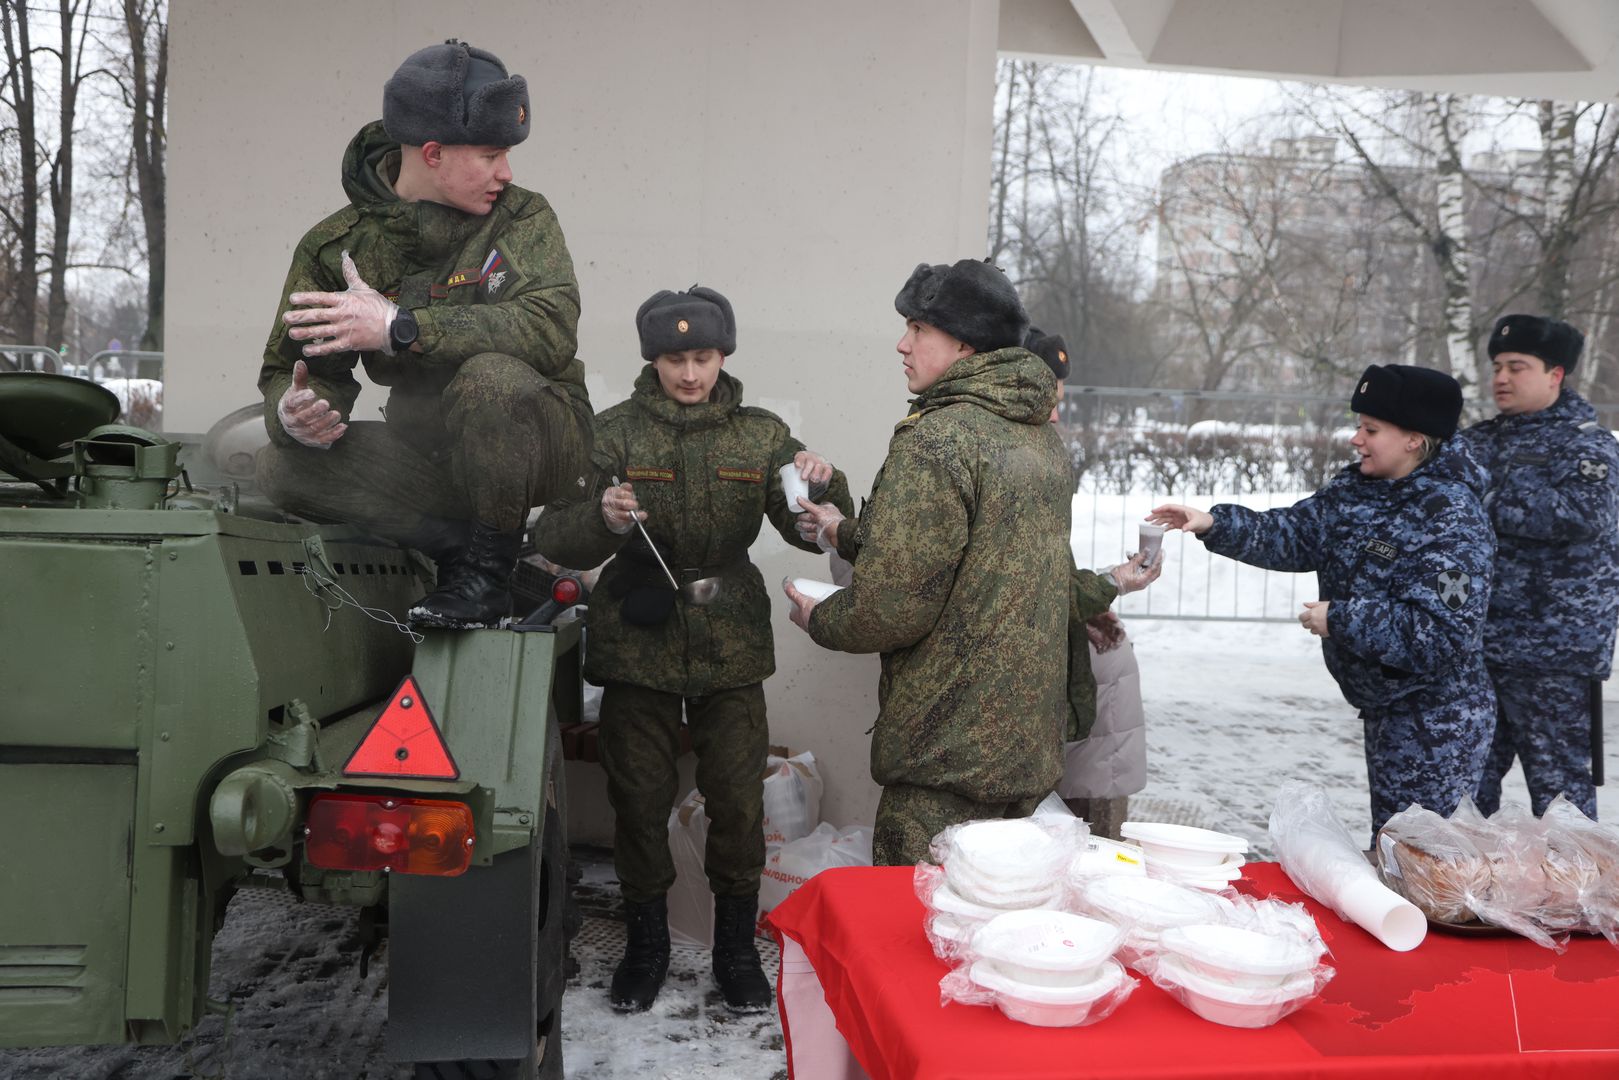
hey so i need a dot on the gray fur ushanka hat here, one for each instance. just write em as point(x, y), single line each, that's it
point(672, 322)
point(456, 95)
point(971, 301)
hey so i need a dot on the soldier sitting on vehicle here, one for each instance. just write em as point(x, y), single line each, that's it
point(1554, 501)
point(473, 331)
point(961, 569)
point(1403, 552)
point(700, 470)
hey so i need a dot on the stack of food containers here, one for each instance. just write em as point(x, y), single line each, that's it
point(1200, 858)
point(1047, 968)
point(1236, 976)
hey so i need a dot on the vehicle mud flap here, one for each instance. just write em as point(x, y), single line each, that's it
point(475, 963)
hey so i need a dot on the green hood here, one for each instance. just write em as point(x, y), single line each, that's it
point(1012, 383)
point(427, 231)
point(721, 404)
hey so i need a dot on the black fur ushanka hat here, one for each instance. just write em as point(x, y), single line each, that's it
point(971, 301)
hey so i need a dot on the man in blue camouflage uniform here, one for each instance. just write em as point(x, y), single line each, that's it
point(1554, 501)
point(1403, 553)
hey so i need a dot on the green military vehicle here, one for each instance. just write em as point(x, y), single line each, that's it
point(198, 695)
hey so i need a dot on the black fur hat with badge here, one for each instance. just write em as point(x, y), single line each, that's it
point(456, 95)
point(971, 301)
point(1415, 398)
point(1051, 348)
point(672, 322)
point(1554, 342)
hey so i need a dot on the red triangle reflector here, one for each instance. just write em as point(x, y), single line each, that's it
point(404, 740)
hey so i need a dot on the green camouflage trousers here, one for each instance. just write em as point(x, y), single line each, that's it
point(909, 817)
point(500, 439)
point(639, 743)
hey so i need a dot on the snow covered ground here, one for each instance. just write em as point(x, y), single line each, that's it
point(1233, 708)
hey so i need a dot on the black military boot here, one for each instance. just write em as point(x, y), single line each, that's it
point(646, 956)
point(737, 970)
point(474, 587)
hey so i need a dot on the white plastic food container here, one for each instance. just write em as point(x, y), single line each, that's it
point(947, 901)
point(1233, 956)
point(1104, 856)
point(1046, 948)
point(1235, 1006)
point(1183, 844)
point(1147, 904)
point(1049, 1006)
point(1010, 863)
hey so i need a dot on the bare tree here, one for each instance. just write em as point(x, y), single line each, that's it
point(22, 217)
point(145, 89)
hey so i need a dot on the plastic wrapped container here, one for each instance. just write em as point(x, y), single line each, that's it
point(1234, 1006)
point(1046, 948)
point(1183, 844)
point(1234, 956)
point(1049, 1006)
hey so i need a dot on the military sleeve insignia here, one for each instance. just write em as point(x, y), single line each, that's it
point(1454, 588)
point(1592, 469)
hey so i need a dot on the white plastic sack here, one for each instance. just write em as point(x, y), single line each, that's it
point(691, 903)
point(792, 798)
point(795, 862)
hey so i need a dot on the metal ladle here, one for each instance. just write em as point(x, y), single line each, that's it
point(699, 592)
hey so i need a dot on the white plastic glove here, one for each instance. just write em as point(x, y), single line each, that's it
point(356, 319)
point(1132, 576)
point(818, 523)
point(620, 510)
point(814, 468)
point(309, 419)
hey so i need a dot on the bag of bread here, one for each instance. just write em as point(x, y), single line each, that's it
point(1595, 881)
point(1434, 865)
point(1522, 896)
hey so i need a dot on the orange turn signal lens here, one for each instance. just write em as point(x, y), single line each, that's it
point(387, 832)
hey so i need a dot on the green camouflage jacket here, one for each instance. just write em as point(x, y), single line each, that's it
point(706, 476)
point(961, 583)
point(501, 282)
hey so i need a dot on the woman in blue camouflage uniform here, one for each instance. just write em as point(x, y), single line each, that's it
point(1403, 551)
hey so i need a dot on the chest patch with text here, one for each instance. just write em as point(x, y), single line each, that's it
point(747, 476)
point(1381, 549)
point(664, 476)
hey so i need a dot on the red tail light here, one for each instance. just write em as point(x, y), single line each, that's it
point(565, 590)
point(386, 832)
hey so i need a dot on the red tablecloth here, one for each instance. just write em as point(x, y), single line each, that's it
point(1473, 1007)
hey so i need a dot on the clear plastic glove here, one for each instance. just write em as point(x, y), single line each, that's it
point(1185, 518)
point(308, 419)
point(803, 604)
point(1133, 576)
point(356, 319)
point(814, 468)
point(620, 510)
point(818, 523)
point(1314, 617)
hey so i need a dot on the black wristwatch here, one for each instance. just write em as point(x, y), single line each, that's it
point(402, 332)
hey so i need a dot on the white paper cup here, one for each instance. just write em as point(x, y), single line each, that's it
point(793, 486)
point(816, 590)
point(1383, 913)
point(1152, 541)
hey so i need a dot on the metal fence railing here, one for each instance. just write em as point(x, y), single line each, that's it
point(1134, 448)
point(134, 375)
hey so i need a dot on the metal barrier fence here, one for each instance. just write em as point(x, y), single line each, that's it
point(134, 375)
point(1134, 448)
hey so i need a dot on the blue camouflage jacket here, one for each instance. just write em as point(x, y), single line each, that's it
point(1406, 564)
point(1553, 498)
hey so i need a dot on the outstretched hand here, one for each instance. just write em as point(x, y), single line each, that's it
point(818, 523)
point(1185, 518)
point(309, 419)
point(355, 319)
point(1314, 617)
